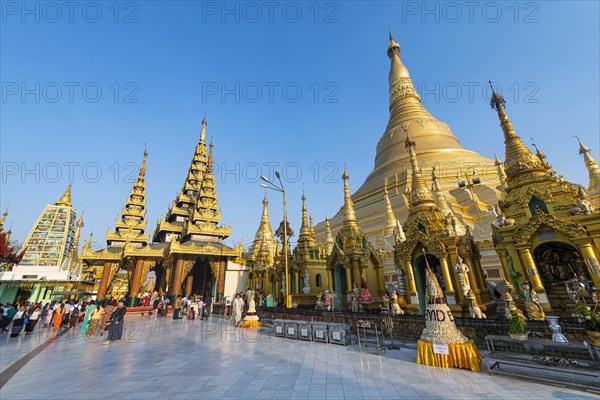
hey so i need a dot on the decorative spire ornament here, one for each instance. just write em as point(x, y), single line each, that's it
point(65, 200)
point(349, 215)
point(519, 160)
point(390, 218)
point(594, 174)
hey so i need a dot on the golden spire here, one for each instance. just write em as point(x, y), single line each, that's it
point(131, 225)
point(419, 192)
point(438, 195)
point(65, 200)
point(594, 173)
point(500, 169)
point(397, 69)
point(311, 228)
point(209, 163)
point(590, 163)
point(264, 233)
point(518, 158)
point(304, 228)
point(349, 215)
point(541, 155)
point(203, 131)
point(142, 174)
point(329, 241)
point(390, 218)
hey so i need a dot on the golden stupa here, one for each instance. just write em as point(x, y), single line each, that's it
point(438, 150)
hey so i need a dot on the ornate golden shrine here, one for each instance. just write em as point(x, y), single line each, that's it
point(187, 244)
point(548, 231)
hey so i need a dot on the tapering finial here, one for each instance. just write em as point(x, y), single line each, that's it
point(143, 167)
point(203, 131)
point(583, 149)
point(496, 159)
point(345, 174)
point(209, 166)
point(541, 155)
point(497, 101)
point(65, 200)
point(349, 215)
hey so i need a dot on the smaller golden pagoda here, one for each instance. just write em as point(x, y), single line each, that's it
point(547, 231)
point(261, 256)
point(308, 268)
point(447, 244)
point(353, 262)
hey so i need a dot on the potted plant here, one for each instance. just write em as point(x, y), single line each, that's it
point(590, 320)
point(517, 326)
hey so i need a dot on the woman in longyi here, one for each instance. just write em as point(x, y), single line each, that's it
point(441, 343)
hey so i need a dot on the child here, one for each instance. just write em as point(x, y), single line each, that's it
point(192, 314)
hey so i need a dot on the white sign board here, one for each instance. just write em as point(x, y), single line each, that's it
point(440, 348)
point(319, 334)
point(303, 332)
point(336, 336)
point(278, 329)
point(291, 331)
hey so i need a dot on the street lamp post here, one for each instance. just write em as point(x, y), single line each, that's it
point(280, 188)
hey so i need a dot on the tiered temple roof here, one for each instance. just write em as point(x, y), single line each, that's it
point(195, 214)
point(131, 227)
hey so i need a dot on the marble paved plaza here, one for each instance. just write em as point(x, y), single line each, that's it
point(169, 359)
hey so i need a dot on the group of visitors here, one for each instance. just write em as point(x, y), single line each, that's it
point(184, 307)
point(94, 318)
point(192, 307)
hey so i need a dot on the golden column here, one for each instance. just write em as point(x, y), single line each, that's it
point(530, 268)
point(447, 277)
point(591, 261)
point(189, 281)
point(104, 281)
point(175, 288)
point(136, 281)
point(221, 278)
point(410, 276)
point(348, 280)
point(330, 280)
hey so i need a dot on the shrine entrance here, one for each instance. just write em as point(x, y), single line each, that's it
point(340, 285)
point(558, 262)
point(420, 266)
point(200, 281)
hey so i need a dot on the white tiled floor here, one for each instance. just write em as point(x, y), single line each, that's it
point(199, 359)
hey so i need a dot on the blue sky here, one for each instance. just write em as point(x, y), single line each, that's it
point(161, 65)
